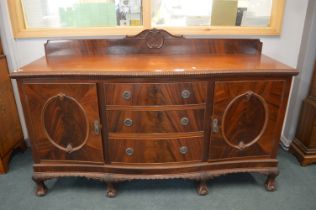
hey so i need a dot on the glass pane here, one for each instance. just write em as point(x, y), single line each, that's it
point(180, 13)
point(82, 13)
point(254, 12)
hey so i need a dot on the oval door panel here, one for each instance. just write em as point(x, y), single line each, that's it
point(65, 123)
point(244, 120)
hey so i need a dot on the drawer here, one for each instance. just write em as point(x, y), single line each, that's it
point(145, 94)
point(156, 151)
point(155, 121)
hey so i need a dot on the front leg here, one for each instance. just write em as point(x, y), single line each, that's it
point(270, 183)
point(202, 188)
point(111, 191)
point(41, 188)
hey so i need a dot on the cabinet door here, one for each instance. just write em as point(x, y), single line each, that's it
point(63, 121)
point(246, 118)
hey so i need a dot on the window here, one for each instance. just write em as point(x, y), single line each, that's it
point(211, 13)
point(50, 18)
point(81, 13)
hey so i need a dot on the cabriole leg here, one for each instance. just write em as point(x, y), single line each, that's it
point(202, 188)
point(270, 183)
point(41, 188)
point(111, 191)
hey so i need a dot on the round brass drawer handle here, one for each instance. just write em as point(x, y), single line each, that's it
point(129, 151)
point(185, 94)
point(127, 95)
point(184, 121)
point(128, 122)
point(183, 150)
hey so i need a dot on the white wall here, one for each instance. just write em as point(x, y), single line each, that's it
point(302, 82)
point(284, 48)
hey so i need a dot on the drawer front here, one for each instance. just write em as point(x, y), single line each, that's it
point(155, 121)
point(155, 93)
point(156, 151)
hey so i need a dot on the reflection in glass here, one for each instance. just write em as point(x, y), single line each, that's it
point(181, 13)
point(82, 13)
point(255, 13)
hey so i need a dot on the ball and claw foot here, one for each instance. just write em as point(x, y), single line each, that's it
point(111, 191)
point(270, 183)
point(41, 188)
point(202, 188)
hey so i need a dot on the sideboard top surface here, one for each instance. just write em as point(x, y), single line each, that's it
point(153, 53)
point(131, 65)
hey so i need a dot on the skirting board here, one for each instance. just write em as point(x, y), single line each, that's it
point(285, 143)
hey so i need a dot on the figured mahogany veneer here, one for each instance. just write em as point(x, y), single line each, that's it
point(247, 112)
point(62, 117)
point(155, 93)
point(154, 106)
point(156, 150)
point(181, 120)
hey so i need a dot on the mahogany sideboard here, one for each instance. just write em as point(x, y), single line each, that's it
point(154, 106)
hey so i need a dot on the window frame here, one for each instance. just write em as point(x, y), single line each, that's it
point(20, 29)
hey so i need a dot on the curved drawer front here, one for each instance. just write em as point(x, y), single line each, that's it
point(147, 94)
point(156, 151)
point(155, 121)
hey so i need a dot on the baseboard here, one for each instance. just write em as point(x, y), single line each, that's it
point(27, 141)
point(285, 143)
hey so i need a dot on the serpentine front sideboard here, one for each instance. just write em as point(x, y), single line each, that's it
point(154, 106)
